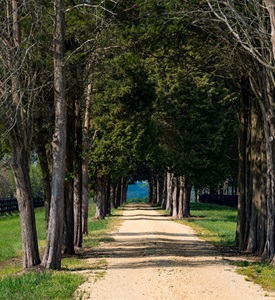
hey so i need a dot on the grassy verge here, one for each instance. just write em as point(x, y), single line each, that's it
point(217, 225)
point(46, 284)
point(213, 223)
point(40, 285)
point(260, 273)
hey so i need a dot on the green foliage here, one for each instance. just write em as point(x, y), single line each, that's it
point(121, 114)
point(196, 121)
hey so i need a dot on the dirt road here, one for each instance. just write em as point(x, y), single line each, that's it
point(153, 257)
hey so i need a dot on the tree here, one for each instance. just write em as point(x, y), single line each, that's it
point(121, 116)
point(17, 99)
point(254, 46)
point(52, 256)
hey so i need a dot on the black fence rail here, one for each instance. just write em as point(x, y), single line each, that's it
point(9, 205)
point(228, 200)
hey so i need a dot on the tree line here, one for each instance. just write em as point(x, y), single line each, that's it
point(179, 93)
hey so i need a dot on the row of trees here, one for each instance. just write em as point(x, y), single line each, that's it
point(107, 92)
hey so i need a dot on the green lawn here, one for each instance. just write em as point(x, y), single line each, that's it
point(45, 284)
point(10, 243)
point(214, 223)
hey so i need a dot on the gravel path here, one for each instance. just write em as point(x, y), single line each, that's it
point(153, 257)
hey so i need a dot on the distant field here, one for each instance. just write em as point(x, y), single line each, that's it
point(137, 190)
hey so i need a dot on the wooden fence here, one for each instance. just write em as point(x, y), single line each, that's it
point(9, 205)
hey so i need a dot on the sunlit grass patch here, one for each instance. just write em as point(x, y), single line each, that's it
point(260, 273)
point(11, 243)
point(213, 223)
point(10, 267)
point(99, 230)
point(40, 285)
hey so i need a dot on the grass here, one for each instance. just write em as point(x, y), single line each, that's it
point(10, 245)
point(260, 273)
point(47, 284)
point(40, 285)
point(213, 223)
point(99, 229)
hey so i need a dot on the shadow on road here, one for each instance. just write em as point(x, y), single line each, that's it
point(155, 248)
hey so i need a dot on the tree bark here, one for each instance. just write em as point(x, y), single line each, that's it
point(175, 198)
point(164, 191)
point(20, 168)
point(68, 238)
point(100, 199)
point(20, 137)
point(269, 129)
point(85, 162)
point(117, 200)
point(184, 197)
point(181, 196)
point(124, 187)
point(52, 255)
point(244, 166)
point(78, 179)
point(42, 154)
point(256, 231)
point(169, 183)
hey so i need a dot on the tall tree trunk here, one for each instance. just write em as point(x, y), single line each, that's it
point(169, 191)
point(100, 199)
point(154, 188)
point(257, 231)
point(20, 168)
point(78, 179)
point(124, 187)
point(244, 200)
point(20, 140)
point(112, 194)
point(85, 162)
point(52, 255)
point(108, 195)
point(187, 198)
point(68, 239)
point(42, 154)
point(164, 192)
point(269, 129)
point(160, 179)
point(181, 196)
point(175, 198)
point(150, 191)
point(117, 200)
